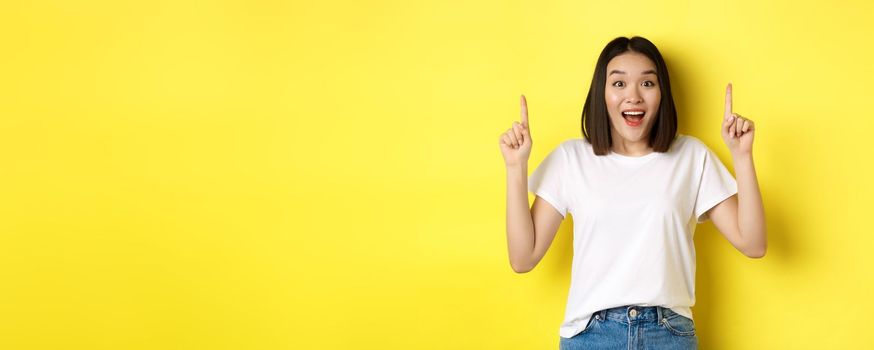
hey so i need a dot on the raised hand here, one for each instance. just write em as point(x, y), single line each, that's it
point(737, 131)
point(516, 141)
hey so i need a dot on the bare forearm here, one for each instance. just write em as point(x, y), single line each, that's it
point(751, 211)
point(520, 226)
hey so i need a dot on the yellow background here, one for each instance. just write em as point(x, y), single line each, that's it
point(326, 175)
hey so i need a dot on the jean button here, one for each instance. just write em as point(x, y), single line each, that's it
point(633, 313)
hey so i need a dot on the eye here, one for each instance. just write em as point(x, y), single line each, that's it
point(618, 82)
point(650, 83)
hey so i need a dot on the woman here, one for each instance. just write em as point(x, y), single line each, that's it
point(636, 189)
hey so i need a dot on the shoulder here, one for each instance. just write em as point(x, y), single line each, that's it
point(574, 145)
point(574, 149)
point(690, 144)
point(695, 151)
point(568, 150)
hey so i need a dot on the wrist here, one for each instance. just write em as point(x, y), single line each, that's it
point(742, 156)
point(517, 168)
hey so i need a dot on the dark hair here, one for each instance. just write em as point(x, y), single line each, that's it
point(595, 121)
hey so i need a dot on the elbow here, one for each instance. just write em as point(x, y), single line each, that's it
point(756, 253)
point(757, 250)
point(521, 268)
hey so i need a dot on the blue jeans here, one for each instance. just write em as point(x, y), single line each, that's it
point(635, 327)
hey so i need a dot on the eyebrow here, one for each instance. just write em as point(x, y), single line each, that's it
point(651, 71)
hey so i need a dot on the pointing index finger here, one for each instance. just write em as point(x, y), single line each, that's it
point(524, 110)
point(728, 101)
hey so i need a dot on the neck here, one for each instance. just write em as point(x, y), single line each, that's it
point(631, 148)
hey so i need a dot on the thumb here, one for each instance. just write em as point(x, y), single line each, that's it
point(726, 125)
point(523, 104)
point(526, 132)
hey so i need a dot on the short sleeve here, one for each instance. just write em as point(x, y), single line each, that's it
point(547, 180)
point(716, 185)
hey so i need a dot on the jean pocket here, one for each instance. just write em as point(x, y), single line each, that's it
point(592, 322)
point(679, 325)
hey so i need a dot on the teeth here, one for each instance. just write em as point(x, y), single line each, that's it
point(632, 113)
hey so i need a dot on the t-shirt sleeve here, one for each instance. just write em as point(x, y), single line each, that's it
point(717, 184)
point(547, 180)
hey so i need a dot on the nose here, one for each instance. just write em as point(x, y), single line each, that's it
point(633, 96)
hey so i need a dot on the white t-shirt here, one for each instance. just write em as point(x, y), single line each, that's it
point(634, 218)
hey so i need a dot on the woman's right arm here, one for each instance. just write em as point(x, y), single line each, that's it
point(529, 232)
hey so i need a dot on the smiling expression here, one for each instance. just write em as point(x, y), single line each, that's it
point(632, 88)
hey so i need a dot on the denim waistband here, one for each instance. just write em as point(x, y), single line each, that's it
point(635, 313)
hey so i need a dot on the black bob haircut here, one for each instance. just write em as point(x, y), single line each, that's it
point(595, 121)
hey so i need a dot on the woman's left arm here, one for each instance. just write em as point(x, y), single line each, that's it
point(741, 218)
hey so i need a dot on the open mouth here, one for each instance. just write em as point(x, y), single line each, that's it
point(633, 118)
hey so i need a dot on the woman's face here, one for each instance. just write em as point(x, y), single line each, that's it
point(632, 86)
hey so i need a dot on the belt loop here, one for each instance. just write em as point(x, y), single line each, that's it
point(603, 314)
point(659, 312)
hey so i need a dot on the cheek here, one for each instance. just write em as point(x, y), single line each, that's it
point(654, 99)
point(611, 99)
